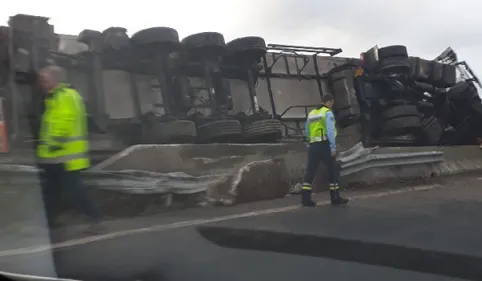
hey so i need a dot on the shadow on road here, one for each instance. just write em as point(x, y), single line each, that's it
point(399, 257)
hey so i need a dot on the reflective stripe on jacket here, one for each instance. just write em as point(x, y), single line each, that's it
point(317, 125)
point(63, 130)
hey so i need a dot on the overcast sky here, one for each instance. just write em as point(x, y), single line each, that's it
point(426, 27)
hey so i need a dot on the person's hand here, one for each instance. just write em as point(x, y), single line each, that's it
point(333, 154)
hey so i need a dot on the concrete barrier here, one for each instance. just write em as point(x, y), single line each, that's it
point(147, 179)
point(232, 159)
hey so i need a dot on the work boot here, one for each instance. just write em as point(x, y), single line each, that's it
point(306, 200)
point(332, 196)
point(338, 200)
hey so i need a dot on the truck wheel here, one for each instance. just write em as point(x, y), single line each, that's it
point(423, 87)
point(86, 36)
point(267, 131)
point(398, 111)
point(247, 47)
point(91, 38)
point(156, 35)
point(155, 40)
point(176, 131)
point(401, 126)
point(205, 41)
point(397, 64)
point(115, 38)
point(227, 130)
point(462, 91)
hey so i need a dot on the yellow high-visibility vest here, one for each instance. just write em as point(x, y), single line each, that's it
point(63, 136)
point(317, 125)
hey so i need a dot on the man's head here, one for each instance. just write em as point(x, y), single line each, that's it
point(50, 77)
point(328, 100)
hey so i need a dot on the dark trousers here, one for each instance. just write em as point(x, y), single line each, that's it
point(57, 183)
point(319, 152)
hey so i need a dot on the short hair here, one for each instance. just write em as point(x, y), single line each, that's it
point(56, 72)
point(327, 98)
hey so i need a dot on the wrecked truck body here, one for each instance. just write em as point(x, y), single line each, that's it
point(150, 91)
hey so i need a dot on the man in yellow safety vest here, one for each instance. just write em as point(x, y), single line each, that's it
point(321, 132)
point(62, 149)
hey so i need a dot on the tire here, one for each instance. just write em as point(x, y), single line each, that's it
point(247, 47)
point(426, 108)
point(156, 35)
point(88, 36)
point(115, 38)
point(267, 130)
point(176, 131)
point(399, 111)
point(205, 41)
point(461, 91)
point(392, 51)
point(227, 130)
point(155, 40)
point(423, 87)
point(399, 65)
point(401, 126)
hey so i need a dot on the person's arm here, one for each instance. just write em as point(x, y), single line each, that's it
point(330, 130)
point(307, 129)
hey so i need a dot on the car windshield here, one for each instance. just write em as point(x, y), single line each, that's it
point(139, 146)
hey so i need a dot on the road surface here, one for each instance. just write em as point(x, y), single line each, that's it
point(442, 216)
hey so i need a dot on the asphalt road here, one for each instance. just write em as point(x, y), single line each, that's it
point(444, 217)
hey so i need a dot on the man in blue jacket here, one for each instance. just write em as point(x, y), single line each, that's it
point(321, 133)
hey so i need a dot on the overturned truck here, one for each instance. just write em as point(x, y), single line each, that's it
point(153, 88)
point(390, 98)
point(148, 88)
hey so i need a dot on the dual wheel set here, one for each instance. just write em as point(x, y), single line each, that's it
point(217, 131)
point(161, 45)
point(405, 99)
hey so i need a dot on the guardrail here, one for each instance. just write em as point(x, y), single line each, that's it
point(359, 158)
point(390, 159)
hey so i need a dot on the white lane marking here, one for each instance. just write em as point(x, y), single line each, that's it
point(479, 179)
point(165, 227)
point(18, 276)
